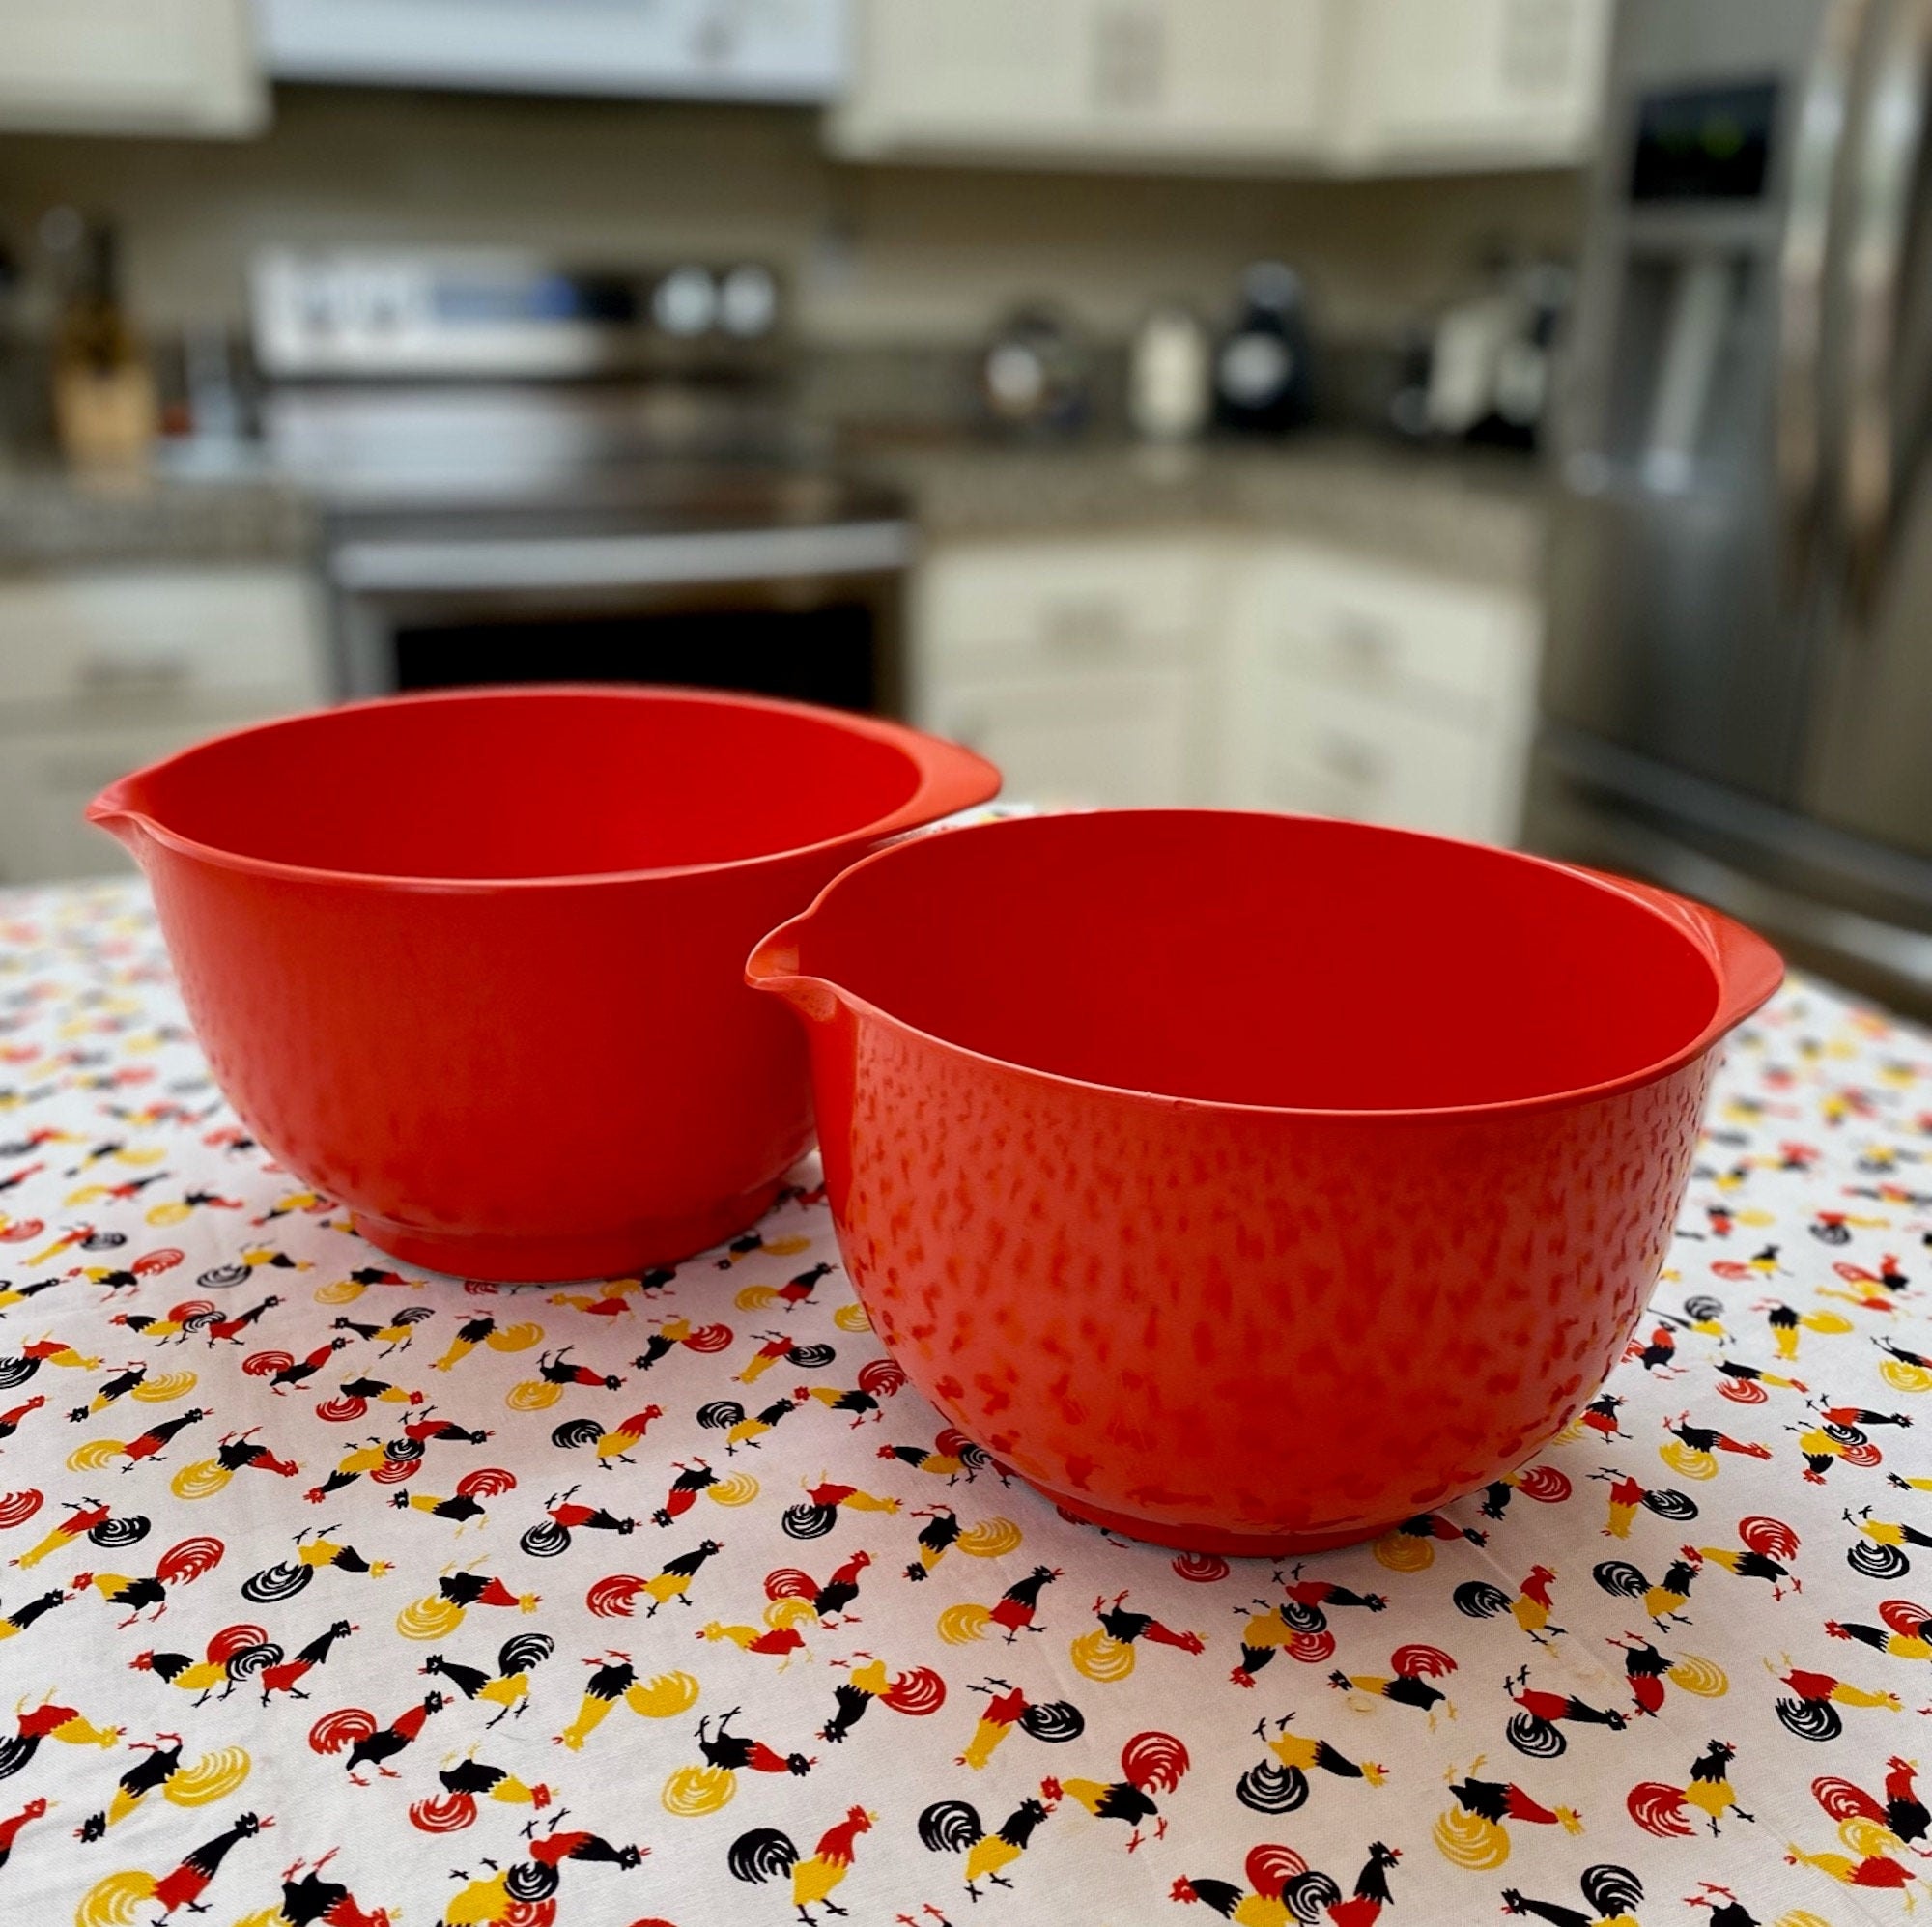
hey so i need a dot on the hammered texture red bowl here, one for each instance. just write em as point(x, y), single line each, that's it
point(1251, 1184)
point(473, 962)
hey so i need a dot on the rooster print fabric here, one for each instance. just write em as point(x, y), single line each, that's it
point(333, 1593)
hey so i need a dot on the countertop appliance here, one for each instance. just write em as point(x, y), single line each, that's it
point(1738, 686)
point(535, 473)
point(784, 50)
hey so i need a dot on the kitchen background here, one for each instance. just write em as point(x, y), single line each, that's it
point(1156, 394)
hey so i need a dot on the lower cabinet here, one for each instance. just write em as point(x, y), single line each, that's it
point(103, 669)
point(1237, 668)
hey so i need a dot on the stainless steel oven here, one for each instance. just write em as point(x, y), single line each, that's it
point(779, 583)
point(534, 474)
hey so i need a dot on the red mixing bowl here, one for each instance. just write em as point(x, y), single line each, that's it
point(472, 963)
point(1251, 1184)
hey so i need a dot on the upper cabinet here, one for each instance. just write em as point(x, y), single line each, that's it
point(129, 67)
point(1154, 83)
point(1456, 84)
point(1346, 86)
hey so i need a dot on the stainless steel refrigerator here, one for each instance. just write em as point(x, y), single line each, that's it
point(1738, 685)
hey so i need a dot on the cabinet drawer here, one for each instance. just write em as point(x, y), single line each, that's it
point(1027, 606)
point(172, 637)
point(1390, 632)
point(1341, 754)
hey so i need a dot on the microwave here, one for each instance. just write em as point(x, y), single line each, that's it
point(771, 50)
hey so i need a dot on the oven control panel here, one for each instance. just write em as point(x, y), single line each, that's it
point(497, 315)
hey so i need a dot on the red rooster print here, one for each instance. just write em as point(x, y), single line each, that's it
point(160, 1770)
point(49, 1720)
point(1769, 1545)
point(695, 1789)
point(369, 1745)
point(438, 1614)
point(990, 1538)
point(832, 1601)
point(678, 1330)
point(1536, 1727)
point(315, 1552)
point(1281, 1785)
point(1903, 1635)
point(776, 1348)
point(508, 1688)
point(464, 1784)
point(1611, 1894)
point(917, 1693)
point(614, 1447)
point(1013, 1613)
point(787, 1297)
point(617, 1597)
point(1543, 1484)
point(1627, 1494)
point(113, 1901)
point(823, 1500)
point(91, 1519)
point(1150, 1764)
point(765, 1854)
point(1407, 1682)
point(526, 1891)
point(179, 1565)
point(1811, 1710)
point(954, 1826)
point(951, 1457)
point(237, 1452)
point(1475, 1832)
point(1051, 1722)
point(1108, 1652)
point(100, 1453)
point(566, 1516)
point(1662, 1809)
point(1410, 1547)
point(1282, 1887)
point(1875, 1832)
point(694, 1477)
point(1648, 1670)
point(614, 1677)
point(309, 1899)
point(1693, 1449)
point(878, 1378)
point(1530, 1608)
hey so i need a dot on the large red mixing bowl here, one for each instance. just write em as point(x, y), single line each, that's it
point(472, 963)
point(1251, 1184)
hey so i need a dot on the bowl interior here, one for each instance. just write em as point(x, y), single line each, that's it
point(530, 783)
point(1262, 960)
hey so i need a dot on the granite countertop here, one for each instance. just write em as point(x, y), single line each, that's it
point(1478, 516)
point(1468, 513)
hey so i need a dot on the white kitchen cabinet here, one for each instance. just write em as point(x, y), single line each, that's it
point(1083, 669)
point(131, 66)
point(1155, 83)
point(1362, 689)
point(1460, 84)
point(103, 670)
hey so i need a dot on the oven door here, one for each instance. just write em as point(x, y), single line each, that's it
point(811, 611)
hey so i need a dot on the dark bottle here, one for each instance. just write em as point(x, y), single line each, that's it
point(1263, 369)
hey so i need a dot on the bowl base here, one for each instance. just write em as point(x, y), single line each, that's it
point(647, 1245)
point(1211, 1539)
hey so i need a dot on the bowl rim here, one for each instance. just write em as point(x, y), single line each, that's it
point(1706, 931)
point(947, 777)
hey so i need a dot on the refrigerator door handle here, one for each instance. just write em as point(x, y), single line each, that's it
point(1886, 168)
point(1818, 144)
